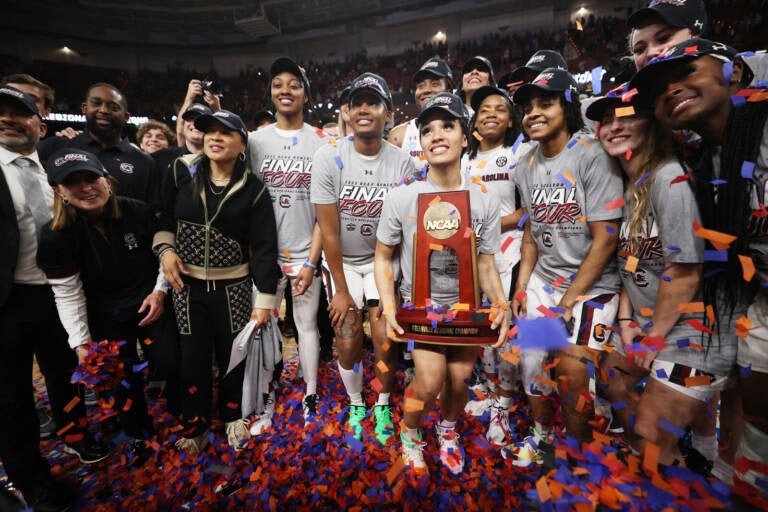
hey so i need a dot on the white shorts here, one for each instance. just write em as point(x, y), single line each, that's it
point(674, 375)
point(591, 317)
point(753, 350)
point(360, 282)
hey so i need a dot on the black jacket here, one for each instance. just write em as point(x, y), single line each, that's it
point(9, 231)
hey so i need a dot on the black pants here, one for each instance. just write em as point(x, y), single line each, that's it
point(29, 323)
point(124, 325)
point(209, 315)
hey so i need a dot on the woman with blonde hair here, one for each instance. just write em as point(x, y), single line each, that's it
point(660, 262)
point(97, 254)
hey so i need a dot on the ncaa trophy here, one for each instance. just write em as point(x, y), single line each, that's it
point(444, 222)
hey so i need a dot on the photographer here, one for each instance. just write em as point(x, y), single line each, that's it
point(198, 91)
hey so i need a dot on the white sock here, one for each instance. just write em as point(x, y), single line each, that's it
point(705, 445)
point(447, 425)
point(503, 401)
point(353, 383)
point(412, 434)
point(309, 356)
point(383, 399)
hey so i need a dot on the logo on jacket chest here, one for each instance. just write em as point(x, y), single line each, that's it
point(130, 241)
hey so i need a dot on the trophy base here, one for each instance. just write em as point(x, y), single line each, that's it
point(466, 329)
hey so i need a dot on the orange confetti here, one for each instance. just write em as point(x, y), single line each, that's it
point(698, 380)
point(624, 111)
point(691, 307)
point(70, 425)
point(387, 309)
point(435, 247)
point(413, 405)
point(646, 311)
point(460, 306)
point(720, 241)
point(385, 346)
point(481, 164)
point(747, 267)
point(543, 489)
point(383, 368)
point(435, 200)
point(711, 314)
point(742, 327)
point(410, 217)
point(148, 341)
point(568, 176)
point(511, 358)
point(548, 382)
point(582, 218)
point(376, 385)
point(72, 403)
point(651, 457)
point(395, 470)
point(287, 253)
point(477, 135)
point(582, 142)
point(530, 162)
point(631, 265)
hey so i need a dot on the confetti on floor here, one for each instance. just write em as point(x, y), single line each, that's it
point(297, 467)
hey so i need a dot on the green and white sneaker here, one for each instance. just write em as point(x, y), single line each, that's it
point(355, 416)
point(384, 427)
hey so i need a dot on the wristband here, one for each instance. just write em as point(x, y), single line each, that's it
point(164, 250)
point(625, 319)
point(308, 264)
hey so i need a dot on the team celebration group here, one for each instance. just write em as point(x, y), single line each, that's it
point(625, 235)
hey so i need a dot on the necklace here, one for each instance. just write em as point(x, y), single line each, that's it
point(210, 186)
point(220, 180)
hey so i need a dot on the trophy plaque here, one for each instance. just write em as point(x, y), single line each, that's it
point(444, 223)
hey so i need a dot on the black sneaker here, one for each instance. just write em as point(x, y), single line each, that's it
point(9, 501)
point(698, 463)
point(49, 496)
point(309, 406)
point(90, 451)
point(140, 452)
point(615, 427)
point(47, 424)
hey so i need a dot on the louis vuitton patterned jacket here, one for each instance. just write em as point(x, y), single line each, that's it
point(228, 240)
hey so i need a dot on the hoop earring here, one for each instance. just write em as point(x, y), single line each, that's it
point(65, 201)
point(242, 156)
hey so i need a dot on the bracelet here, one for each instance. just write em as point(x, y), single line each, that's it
point(625, 319)
point(165, 250)
point(308, 264)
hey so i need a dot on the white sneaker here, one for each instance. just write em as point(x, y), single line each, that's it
point(261, 424)
point(193, 444)
point(478, 407)
point(238, 433)
point(451, 452)
point(498, 430)
point(269, 404)
point(413, 453)
point(524, 453)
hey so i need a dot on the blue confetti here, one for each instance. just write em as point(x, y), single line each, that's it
point(666, 279)
point(125, 384)
point(597, 80)
point(593, 304)
point(192, 169)
point(516, 145)
point(718, 182)
point(559, 311)
point(548, 289)
point(541, 333)
point(661, 374)
point(710, 255)
point(295, 140)
point(610, 230)
point(353, 443)
point(524, 218)
point(738, 101)
point(683, 343)
point(672, 429)
point(643, 178)
point(572, 143)
point(745, 371)
point(356, 369)
point(565, 181)
point(568, 97)
point(674, 248)
point(727, 72)
point(339, 163)
point(410, 344)
point(138, 367)
point(618, 406)
point(748, 170)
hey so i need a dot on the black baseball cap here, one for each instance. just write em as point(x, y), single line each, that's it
point(196, 109)
point(538, 62)
point(262, 115)
point(551, 80)
point(344, 94)
point(434, 67)
point(617, 97)
point(25, 99)
point(65, 161)
point(287, 64)
point(225, 117)
point(689, 14)
point(474, 61)
point(370, 82)
point(647, 80)
point(444, 101)
point(484, 92)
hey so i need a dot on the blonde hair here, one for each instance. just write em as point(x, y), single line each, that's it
point(655, 151)
point(65, 215)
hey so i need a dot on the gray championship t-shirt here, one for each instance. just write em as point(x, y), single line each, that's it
point(562, 194)
point(357, 184)
point(670, 239)
point(495, 168)
point(283, 161)
point(398, 225)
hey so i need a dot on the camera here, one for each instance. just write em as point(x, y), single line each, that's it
point(211, 86)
